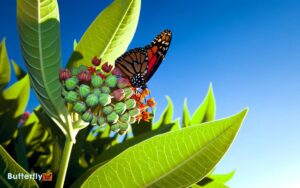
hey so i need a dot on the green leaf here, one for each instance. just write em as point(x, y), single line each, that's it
point(8, 165)
point(166, 117)
point(186, 118)
point(109, 35)
point(207, 110)
point(117, 149)
point(4, 66)
point(209, 184)
point(13, 104)
point(222, 178)
point(39, 30)
point(174, 159)
point(75, 43)
point(215, 180)
point(20, 149)
point(20, 73)
point(19, 91)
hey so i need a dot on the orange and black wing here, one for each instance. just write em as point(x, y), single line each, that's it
point(156, 51)
point(133, 62)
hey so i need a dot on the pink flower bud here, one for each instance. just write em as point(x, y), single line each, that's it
point(96, 61)
point(119, 94)
point(123, 82)
point(117, 72)
point(24, 117)
point(64, 74)
point(84, 76)
point(106, 67)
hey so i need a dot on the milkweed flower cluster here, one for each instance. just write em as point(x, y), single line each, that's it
point(103, 97)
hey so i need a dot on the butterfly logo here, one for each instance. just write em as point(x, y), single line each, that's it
point(139, 64)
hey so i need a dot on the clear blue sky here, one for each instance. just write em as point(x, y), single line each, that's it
point(248, 49)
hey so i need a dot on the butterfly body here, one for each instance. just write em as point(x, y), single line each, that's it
point(140, 64)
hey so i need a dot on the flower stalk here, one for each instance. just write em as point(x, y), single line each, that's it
point(64, 163)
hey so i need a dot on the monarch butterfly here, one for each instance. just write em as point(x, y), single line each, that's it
point(140, 64)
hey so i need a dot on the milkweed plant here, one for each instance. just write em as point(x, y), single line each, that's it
point(92, 127)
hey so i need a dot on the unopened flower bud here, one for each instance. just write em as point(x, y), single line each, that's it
point(84, 76)
point(96, 81)
point(104, 99)
point(84, 90)
point(125, 118)
point(79, 107)
point(123, 126)
point(64, 74)
point(87, 116)
point(107, 110)
point(105, 89)
point(112, 117)
point(128, 92)
point(97, 92)
point(117, 72)
point(64, 92)
point(111, 81)
point(134, 112)
point(130, 103)
point(115, 128)
point(106, 67)
point(24, 117)
point(120, 108)
point(132, 120)
point(92, 69)
point(71, 83)
point(119, 94)
point(94, 121)
point(92, 100)
point(123, 82)
point(96, 61)
point(71, 97)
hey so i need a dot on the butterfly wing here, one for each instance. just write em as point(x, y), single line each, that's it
point(156, 51)
point(134, 64)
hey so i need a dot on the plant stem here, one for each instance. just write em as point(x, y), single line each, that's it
point(64, 163)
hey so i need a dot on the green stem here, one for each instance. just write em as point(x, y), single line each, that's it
point(64, 163)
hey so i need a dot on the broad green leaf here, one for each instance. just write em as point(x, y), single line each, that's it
point(109, 35)
point(207, 110)
point(20, 73)
point(39, 31)
point(166, 117)
point(8, 165)
point(174, 159)
point(13, 104)
point(186, 118)
point(117, 149)
point(4, 66)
